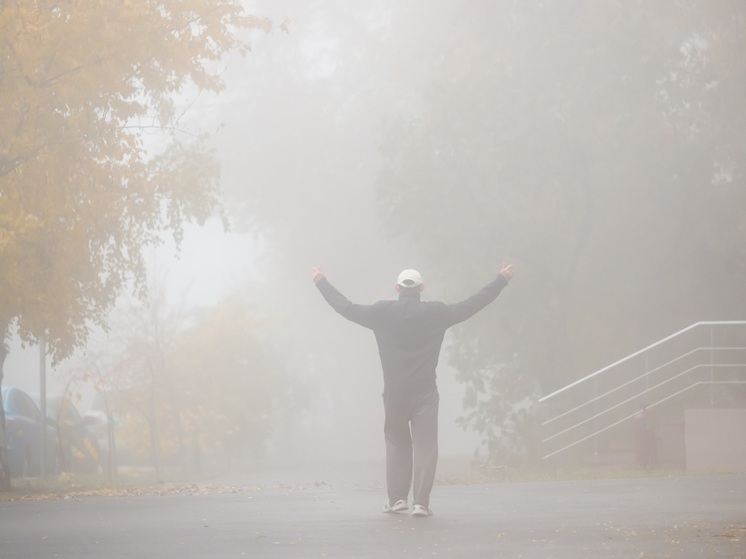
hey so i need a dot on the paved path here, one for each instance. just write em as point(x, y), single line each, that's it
point(688, 517)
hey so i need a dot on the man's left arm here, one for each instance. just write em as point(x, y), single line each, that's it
point(364, 315)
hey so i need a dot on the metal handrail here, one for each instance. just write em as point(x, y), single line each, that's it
point(640, 352)
point(693, 385)
point(651, 371)
point(648, 389)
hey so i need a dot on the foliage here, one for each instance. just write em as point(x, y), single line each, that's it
point(599, 146)
point(80, 192)
point(235, 381)
point(305, 186)
point(191, 389)
point(498, 390)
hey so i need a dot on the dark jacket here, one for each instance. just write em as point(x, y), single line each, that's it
point(410, 332)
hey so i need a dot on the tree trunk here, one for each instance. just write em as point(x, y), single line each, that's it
point(4, 466)
point(154, 432)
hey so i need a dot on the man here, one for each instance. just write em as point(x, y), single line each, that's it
point(409, 333)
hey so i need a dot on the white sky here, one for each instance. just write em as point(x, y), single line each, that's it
point(211, 264)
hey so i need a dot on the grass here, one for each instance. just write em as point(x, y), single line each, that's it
point(66, 485)
point(145, 482)
point(506, 474)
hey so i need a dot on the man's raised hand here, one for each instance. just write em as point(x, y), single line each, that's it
point(507, 271)
point(316, 274)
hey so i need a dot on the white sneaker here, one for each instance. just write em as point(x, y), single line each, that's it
point(398, 506)
point(421, 511)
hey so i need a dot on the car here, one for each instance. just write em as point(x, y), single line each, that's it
point(77, 447)
point(23, 429)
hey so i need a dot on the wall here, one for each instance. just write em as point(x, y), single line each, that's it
point(715, 440)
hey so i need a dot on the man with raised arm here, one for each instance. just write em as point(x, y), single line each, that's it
point(409, 333)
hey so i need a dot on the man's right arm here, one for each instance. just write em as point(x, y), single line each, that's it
point(459, 312)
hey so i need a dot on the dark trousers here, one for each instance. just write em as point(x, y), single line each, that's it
point(411, 433)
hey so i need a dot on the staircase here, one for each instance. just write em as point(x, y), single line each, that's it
point(633, 410)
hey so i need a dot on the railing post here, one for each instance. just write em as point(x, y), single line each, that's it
point(595, 415)
point(712, 363)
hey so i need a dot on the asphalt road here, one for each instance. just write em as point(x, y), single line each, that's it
point(686, 517)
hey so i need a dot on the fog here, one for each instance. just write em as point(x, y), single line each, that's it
point(300, 157)
point(451, 137)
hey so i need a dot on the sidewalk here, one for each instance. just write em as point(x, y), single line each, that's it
point(687, 517)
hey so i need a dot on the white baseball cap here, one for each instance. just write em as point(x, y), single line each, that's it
point(409, 278)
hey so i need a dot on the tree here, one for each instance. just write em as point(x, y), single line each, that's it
point(134, 367)
point(310, 196)
point(238, 382)
point(344, 69)
point(81, 191)
point(581, 139)
point(191, 387)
